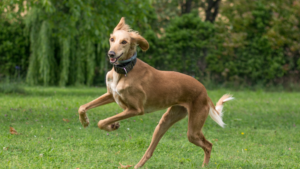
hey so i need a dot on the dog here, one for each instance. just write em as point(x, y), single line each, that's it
point(139, 88)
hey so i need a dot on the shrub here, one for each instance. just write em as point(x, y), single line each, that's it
point(252, 46)
point(14, 49)
point(183, 46)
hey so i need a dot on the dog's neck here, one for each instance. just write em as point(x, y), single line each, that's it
point(126, 65)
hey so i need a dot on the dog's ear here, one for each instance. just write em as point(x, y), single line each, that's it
point(141, 41)
point(122, 25)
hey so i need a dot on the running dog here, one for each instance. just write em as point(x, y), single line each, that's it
point(139, 88)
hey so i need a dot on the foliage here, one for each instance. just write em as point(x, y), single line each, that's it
point(68, 39)
point(167, 10)
point(190, 38)
point(14, 49)
point(270, 136)
point(183, 46)
point(246, 45)
point(253, 44)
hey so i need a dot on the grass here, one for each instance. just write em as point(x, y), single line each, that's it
point(262, 131)
point(11, 87)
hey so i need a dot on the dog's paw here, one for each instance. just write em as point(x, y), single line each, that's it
point(84, 120)
point(115, 126)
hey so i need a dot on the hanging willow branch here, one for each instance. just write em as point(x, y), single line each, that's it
point(65, 61)
point(33, 25)
point(68, 38)
point(46, 55)
point(90, 62)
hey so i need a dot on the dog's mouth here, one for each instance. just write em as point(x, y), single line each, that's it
point(114, 60)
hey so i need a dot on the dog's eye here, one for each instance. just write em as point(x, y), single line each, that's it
point(124, 42)
point(111, 39)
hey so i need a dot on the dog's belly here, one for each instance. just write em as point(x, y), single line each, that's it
point(151, 109)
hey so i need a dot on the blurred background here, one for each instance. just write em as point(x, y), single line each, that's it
point(236, 43)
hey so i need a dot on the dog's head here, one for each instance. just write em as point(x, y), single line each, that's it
point(123, 42)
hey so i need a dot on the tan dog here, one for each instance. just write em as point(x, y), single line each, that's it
point(145, 89)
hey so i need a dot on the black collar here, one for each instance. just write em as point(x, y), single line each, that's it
point(126, 65)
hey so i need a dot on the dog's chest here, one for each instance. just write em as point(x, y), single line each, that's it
point(112, 84)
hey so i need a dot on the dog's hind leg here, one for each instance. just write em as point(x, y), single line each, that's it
point(197, 117)
point(173, 115)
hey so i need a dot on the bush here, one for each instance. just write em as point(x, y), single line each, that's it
point(251, 48)
point(14, 49)
point(183, 46)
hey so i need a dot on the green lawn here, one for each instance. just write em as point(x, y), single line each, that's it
point(262, 131)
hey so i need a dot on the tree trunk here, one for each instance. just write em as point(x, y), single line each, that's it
point(186, 7)
point(212, 10)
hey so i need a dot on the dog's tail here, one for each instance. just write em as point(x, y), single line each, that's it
point(216, 112)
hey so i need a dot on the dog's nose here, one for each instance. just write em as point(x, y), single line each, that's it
point(111, 54)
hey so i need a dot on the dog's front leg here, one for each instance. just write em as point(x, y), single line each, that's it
point(104, 99)
point(111, 123)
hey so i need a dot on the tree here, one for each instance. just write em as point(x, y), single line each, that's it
point(68, 39)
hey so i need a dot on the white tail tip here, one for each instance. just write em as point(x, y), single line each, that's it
point(228, 99)
point(217, 114)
